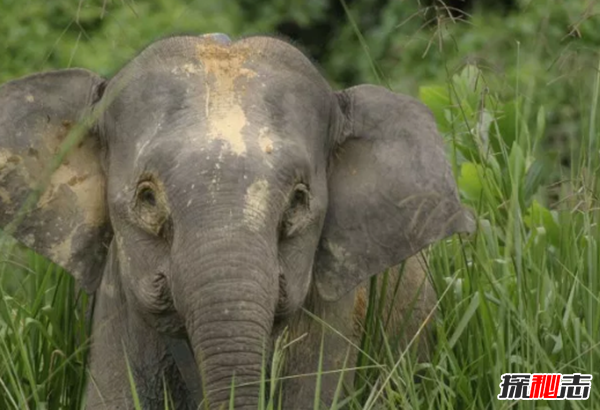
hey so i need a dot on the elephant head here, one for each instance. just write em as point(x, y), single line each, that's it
point(210, 185)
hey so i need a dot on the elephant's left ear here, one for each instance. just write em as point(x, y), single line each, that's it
point(391, 190)
point(52, 195)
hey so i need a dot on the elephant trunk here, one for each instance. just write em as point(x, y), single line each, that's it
point(228, 308)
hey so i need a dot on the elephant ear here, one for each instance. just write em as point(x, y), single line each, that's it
point(391, 190)
point(52, 195)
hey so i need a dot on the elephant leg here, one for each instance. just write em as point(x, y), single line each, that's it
point(108, 385)
point(326, 331)
point(409, 306)
point(123, 342)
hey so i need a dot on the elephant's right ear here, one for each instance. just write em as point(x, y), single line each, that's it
point(52, 189)
point(391, 190)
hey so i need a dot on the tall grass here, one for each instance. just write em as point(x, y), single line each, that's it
point(519, 295)
point(522, 294)
point(43, 334)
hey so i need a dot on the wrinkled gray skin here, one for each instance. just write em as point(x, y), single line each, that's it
point(220, 187)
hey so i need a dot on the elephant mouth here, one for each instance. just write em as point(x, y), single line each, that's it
point(183, 355)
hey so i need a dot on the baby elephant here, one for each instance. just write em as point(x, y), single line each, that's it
point(212, 193)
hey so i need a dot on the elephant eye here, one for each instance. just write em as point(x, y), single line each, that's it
point(301, 197)
point(297, 216)
point(148, 196)
point(150, 207)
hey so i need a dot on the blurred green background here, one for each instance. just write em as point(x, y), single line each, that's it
point(514, 86)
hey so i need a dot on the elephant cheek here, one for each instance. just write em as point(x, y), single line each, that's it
point(293, 289)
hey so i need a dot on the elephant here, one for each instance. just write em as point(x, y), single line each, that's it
point(214, 194)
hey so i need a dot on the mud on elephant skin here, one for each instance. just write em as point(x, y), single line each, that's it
point(220, 190)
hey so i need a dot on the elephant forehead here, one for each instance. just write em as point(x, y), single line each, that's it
point(225, 64)
point(223, 70)
point(204, 173)
point(226, 123)
point(237, 98)
point(267, 155)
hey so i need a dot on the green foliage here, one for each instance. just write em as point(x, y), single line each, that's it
point(43, 334)
point(521, 295)
point(98, 34)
